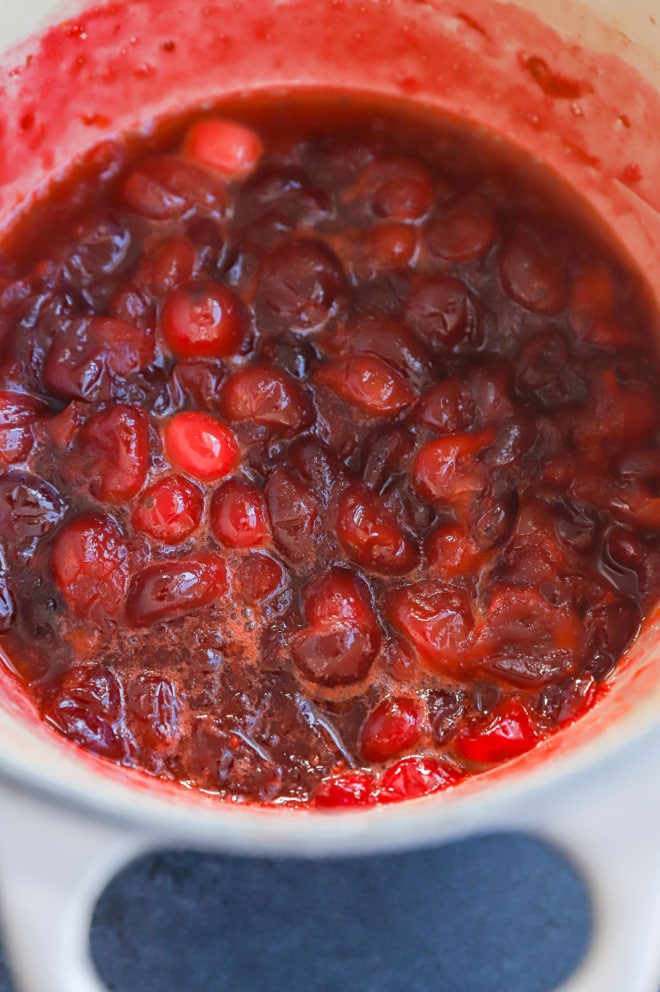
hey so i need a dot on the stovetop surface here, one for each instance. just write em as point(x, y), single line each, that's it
point(488, 914)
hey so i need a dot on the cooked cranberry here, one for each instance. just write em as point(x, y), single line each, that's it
point(436, 618)
point(440, 310)
point(449, 468)
point(169, 510)
point(415, 777)
point(386, 337)
point(293, 512)
point(386, 453)
point(7, 606)
point(238, 514)
point(204, 320)
point(392, 187)
point(168, 187)
point(391, 245)
point(532, 274)
point(169, 265)
point(451, 551)
point(114, 446)
point(171, 588)
point(446, 707)
point(18, 415)
point(610, 629)
point(508, 734)
point(267, 396)
point(101, 248)
point(390, 729)
point(259, 578)
point(370, 536)
point(231, 149)
point(29, 507)
point(346, 789)
point(200, 445)
point(369, 382)
point(156, 703)
point(446, 408)
point(90, 563)
point(85, 707)
point(301, 284)
point(462, 231)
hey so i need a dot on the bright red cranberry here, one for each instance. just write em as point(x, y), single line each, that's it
point(369, 382)
point(114, 447)
point(370, 536)
point(301, 284)
point(231, 149)
point(462, 231)
point(238, 514)
point(532, 275)
point(437, 619)
point(29, 507)
point(393, 727)
point(451, 551)
point(172, 588)
point(169, 510)
point(345, 790)
point(294, 516)
point(438, 308)
point(200, 445)
point(90, 563)
point(266, 395)
point(446, 407)
point(415, 777)
point(449, 468)
point(204, 320)
point(18, 416)
point(394, 187)
point(390, 246)
point(156, 703)
point(85, 708)
point(168, 187)
point(509, 733)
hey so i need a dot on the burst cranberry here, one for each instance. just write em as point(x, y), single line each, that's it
point(509, 733)
point(156, 704)
point(238, 514)
point(437, 619)
point(369, 382)
point(231, 149)
point(169, 265)
point(200, 445)
point(345, 790)
point(532, 274)
point(446, 408)
point(300, 287)
point(168, 187)
point(394, 188)
point(463, 231)
point(169, 510)
point(294, 516)
point(171, 588)
point(439, 311)
point(114, 447)
point(29, 507)
point(18, 416)
point(390, 729)
point(413, 778)
point(451, 551)
point(388, 338)
point(266, 395)
point(204, 320)
point(259, 578)
point(85, 707)
point(449, 468)
point(90, 563)
point(370, 536)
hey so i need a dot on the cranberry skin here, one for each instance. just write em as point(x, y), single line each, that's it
point(345, 790)
point(416, 777)
point(369, 382)
point(115, 452)
point(29, 507)
point(260, 578)
point(463, 231)
point(169, 265)
point(204, 320)
point(168, 187)
point(90, 564)
point(532, 275)
point(449, 468)
point(200, 445)
point(294, 516)
point(18, 416)
point(452, 552)
point(172, 588)
point(446, 407)
point(7, 606)
point(386, 337)
point(268, 397)
point(370, 536)
point(85, 707)
point(390, 729)
point(238, 515)
point(437, 619)
point(156, 704)
point(508, 734)
point(438, 310)
point(169, 510)
point(231, 149)
point(300, 287)
point(394, 187)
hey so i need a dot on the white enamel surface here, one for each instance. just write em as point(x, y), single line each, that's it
point(591, 793)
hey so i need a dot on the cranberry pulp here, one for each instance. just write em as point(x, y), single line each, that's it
point(329, 453)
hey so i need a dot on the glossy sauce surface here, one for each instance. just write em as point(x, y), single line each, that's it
point(330, 465)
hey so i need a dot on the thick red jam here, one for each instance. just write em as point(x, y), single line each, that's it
point(329, 450)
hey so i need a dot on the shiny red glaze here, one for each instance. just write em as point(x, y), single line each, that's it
point(200, 445)
point(172, 588)
point(238, 514)
point(506, 735)
point(393, 727)
point(204, 320)
point(416, 777)
point(18, 416)
point(169, 510)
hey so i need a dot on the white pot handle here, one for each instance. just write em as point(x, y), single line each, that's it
point(54, 864)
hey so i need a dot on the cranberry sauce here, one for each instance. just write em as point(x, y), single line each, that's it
point(329, 454)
